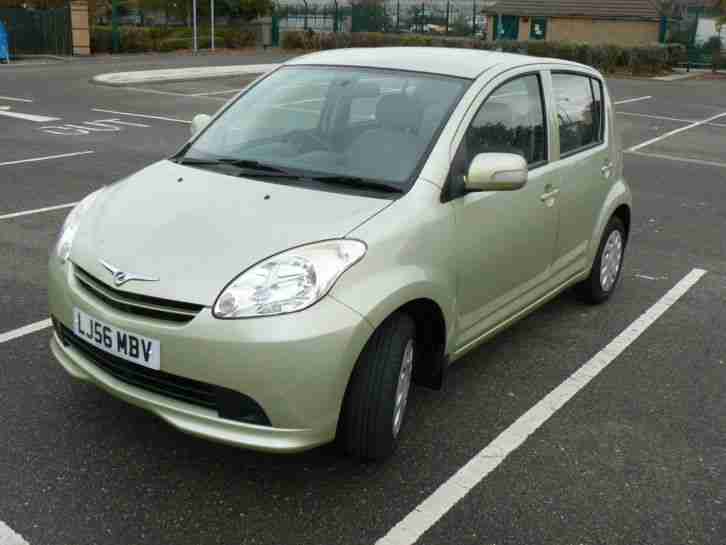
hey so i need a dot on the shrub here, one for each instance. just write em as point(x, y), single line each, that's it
point(174, 44)
point(609, 58)
point(101, 40)
point(135, 40)
point(648, 59)
point(292, 39)
point(234, 38)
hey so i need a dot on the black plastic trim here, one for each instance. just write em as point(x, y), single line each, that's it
point(228, 403)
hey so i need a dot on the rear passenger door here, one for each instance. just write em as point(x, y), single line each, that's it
point(585, 168)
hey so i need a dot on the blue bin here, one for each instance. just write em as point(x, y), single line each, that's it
point(4, 50)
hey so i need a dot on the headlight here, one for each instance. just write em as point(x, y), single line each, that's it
point(70, 227)
point(290, 281)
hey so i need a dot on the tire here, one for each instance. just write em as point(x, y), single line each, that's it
point(599, 286)
point(366, 429)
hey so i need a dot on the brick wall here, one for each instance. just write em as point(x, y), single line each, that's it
point(601, 31)
point(80, 27)
point(593, 31)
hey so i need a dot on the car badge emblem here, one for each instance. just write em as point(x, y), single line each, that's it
point(121, 277)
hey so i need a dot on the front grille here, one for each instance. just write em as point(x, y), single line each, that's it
point(228, 403)
point(132, 303)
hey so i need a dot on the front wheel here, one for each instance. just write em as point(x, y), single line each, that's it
point(605, 273)
point(375, 403)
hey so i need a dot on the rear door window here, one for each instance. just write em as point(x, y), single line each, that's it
point(579, 112)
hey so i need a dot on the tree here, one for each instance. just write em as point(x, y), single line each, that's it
point(721, 21)
point(251, 9)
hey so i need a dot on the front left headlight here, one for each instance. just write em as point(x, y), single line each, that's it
point(290, 281)
point(70, 227)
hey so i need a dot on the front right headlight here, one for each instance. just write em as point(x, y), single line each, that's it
point(288, 282)
point(70, 227)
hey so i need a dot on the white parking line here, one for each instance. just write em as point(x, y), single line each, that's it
point(658, 117)
point(678, 159)
point(46, 158)
point(8, 537)
point(158, 92)
point(227, 92)
point(4, 111)
point(146, 116)
point(629, 100)
point(20, 332)
point(429, 511)
point(15, 99)
point(36, 211)
point(676, 131)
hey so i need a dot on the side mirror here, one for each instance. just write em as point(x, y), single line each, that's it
point(199, 122)
point(497, 172)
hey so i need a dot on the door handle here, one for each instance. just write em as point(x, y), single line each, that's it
point(607, 170)
point(549, 195)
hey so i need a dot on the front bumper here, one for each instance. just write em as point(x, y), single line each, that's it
point(295, 367)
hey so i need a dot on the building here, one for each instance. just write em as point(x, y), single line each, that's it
point(625, 22)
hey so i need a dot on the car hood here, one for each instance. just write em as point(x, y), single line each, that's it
point(196, 229)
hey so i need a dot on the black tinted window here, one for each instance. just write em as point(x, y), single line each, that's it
point(579, 111)
point(511, 121)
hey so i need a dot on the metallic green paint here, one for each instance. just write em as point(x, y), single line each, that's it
point(485, 259)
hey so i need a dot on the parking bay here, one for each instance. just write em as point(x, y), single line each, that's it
point(632, 458)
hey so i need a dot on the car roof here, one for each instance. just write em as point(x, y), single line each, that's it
point(449, 61)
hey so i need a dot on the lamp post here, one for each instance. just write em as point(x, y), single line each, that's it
point(115, 38)
point(194, 26)
point(212, 17)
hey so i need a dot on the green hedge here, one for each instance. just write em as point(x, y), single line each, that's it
point(637, 60)
point(138, 40)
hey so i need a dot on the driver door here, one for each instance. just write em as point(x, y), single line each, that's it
point(506, 239)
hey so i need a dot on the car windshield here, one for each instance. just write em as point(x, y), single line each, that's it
point(333, 124)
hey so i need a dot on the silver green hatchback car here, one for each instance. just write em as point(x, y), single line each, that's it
point(350, 223)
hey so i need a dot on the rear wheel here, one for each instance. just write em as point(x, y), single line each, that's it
point(375, 403)
point(605, 273)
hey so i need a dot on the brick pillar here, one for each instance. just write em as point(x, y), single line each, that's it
point(80, 27)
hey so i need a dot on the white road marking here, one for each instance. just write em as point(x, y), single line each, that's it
point(27, 117)
point(430, 510)
point(16, 99)
point(659, 117)
point(20, 332)
point(646, 277)
point(676, 131)
point(158, 92)
point(629, 100)
point(678, 159)
point(36, 211)
point(8, 537)
point(146, 116)
point(46, 158)
point(227, 92)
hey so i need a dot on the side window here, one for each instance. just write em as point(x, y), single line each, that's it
point(579, 111)
point(598, 110)
point(511, 121)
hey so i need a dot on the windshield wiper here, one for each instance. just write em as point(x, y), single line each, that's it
point(249, 167)
point(358, 183)
point(256, 165)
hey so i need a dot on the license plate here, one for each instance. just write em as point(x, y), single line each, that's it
point(124, 344)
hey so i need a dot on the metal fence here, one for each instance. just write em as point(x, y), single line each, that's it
point(452, 17)
point(38, 31)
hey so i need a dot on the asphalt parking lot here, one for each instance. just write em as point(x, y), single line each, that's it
point(637, 454)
